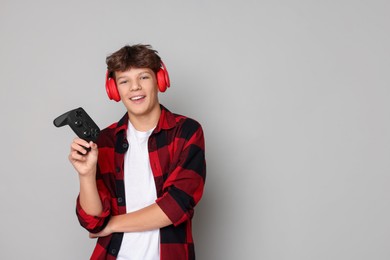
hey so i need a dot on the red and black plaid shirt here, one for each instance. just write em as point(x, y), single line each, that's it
point(177, 158)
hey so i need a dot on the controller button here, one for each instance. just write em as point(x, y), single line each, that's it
point(79, 113)
point(86, 133)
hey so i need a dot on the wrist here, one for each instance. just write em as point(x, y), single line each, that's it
point(91, 174)
point(87, 180)
point(112, 224)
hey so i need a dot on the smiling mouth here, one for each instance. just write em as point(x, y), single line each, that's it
point(136, 98)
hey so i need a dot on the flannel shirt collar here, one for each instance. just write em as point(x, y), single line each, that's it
point(167, 121)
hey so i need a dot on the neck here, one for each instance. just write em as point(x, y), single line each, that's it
point(144, 123)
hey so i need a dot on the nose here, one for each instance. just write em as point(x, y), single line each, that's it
point(135, 86)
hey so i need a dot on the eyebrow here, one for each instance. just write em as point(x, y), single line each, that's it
point(145, 71)
point(121, 77)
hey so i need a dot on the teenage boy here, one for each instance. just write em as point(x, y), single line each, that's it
point(141, 180)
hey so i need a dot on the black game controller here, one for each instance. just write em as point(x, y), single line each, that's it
point(80, 122)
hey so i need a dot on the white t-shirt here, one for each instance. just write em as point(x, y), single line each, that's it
point(140, 192)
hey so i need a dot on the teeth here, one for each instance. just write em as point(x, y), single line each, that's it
point(136, 98)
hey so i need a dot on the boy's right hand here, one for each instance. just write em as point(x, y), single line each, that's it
point(84, 162)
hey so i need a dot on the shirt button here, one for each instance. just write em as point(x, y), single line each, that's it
point(117, 169)
point(113, 251)
point(125, 145)
point(120, 200)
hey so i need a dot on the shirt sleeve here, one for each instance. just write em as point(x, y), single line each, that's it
point(94, 224)
point(184, 186)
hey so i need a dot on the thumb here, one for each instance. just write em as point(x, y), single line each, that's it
point(93, 145)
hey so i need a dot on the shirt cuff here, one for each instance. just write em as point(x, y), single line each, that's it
point(93, 224)
point(172, 209)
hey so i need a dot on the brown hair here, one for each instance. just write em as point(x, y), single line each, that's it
point(136, 56)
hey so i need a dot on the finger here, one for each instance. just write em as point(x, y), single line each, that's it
point(81, 142)
point(92, 235)
point(78, 147)
point(76, 156)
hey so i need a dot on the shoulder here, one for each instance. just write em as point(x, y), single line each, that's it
point(188, 126)
point(187, 131)
point(177, 123)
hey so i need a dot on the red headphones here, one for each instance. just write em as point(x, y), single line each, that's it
point(162, 82)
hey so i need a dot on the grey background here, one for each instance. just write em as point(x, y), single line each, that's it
point(293, 97)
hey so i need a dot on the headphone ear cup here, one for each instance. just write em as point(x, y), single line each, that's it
point(163, 81)
point(112, 90)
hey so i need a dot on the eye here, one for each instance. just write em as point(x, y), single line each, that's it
point(145, 77)
point(121, 82)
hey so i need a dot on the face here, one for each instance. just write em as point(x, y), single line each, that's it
point(138, 90)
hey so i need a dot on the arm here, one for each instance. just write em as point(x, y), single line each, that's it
point(89, 196)
point(93, 203)
point(148, 218)
point(85, 165)
point(184, 186)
